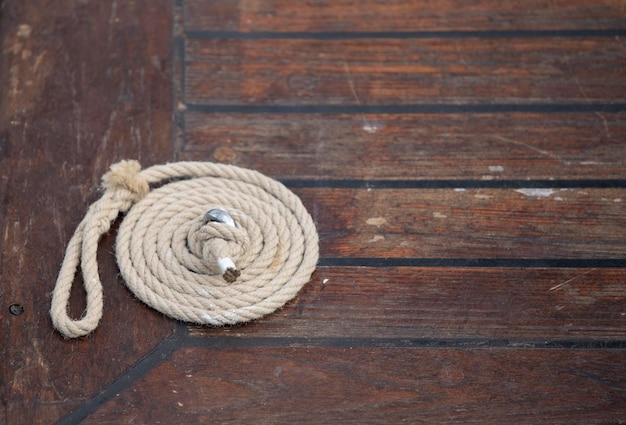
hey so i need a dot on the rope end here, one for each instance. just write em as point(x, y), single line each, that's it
point(231, 275)
point(229, 270)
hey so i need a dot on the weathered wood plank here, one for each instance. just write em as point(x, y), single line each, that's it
point(472, 223)
point(411, 302)
point(413, 146)
point(405, 71)
point(375, 15)
point(83, 85)
point(322, 385)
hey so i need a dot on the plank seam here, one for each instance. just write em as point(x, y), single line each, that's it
point(418, 343)
point(181, 339)
point(161, 353)
point(352, 35)
point(422, 108)
point(179, 78)
point(575, 263)
point(455, 184)
point(178, 58)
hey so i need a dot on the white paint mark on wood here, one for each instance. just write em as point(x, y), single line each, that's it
point(278, 371)
point(377, 238)
point(482, 196)
point(376, 221)
point(372, 127)
point(536, 193)
point(24, 31)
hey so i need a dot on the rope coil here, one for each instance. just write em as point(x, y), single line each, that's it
point(173, 259)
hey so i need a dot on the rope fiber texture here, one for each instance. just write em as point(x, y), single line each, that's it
point(171, 257)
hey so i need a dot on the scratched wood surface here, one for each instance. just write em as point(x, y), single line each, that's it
point(399, 71)
point(473, 254)
point(512, 223)
point(354, 385)
point(413, 146)
point(83, 84)
point(389, 16)
point(426, 302)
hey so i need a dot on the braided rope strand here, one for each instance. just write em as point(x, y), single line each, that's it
point(169, 255)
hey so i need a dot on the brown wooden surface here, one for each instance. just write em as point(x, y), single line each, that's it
point(363, 385)
point(380, 16)
point(512, 223)
point(83, 84)
point(510, 307)
point(401, 71)
point(423, 302)
point(412, 146)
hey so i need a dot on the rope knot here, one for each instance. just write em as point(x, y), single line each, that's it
point(125, 181)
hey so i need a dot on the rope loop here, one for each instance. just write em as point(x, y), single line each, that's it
point(179, 259)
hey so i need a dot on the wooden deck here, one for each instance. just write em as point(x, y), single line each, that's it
point(465, 163)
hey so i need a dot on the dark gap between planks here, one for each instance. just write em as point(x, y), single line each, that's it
point(349, 35)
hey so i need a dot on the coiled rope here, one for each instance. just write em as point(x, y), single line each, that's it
point(172, 258)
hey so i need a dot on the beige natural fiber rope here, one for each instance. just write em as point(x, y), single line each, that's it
point(179, 262)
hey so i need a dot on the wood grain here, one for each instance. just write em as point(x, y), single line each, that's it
point(321, 385)
point(412, 302)
point(405, 71)
point(468, 223)
point(84, 84)
point(412, 146)
point(375, 15)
